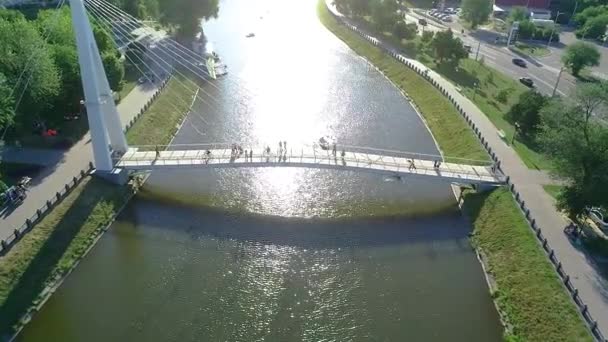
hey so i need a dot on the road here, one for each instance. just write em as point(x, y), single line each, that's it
point(543, 71)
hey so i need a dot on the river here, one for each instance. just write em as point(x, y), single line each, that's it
point(282, 254)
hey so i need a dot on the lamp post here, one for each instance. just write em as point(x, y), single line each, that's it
point(553, 29)
point(557, 82)
point(515, 133)
point(573, 13)
point(474, 90)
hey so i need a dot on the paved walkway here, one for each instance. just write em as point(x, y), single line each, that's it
point(31, 156)
point(397, 164)
point(593, 288)
point(51, 179)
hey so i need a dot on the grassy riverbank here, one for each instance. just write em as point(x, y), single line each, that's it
point(448, 127)
point(53, 246)
point(530, 293)
point(56, 243)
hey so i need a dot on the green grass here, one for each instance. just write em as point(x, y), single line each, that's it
point(448, 127)
point(132, 74)
point(553, 190)
point(530, 293)
point(160, 122)
point(529, 290)
point(486, 87)
point(53, 246)
point(479, 83)
point(531, 50)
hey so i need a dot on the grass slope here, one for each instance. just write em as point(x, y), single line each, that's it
point(59, 240)
point(553, 190)
point(448, 127)
point(160, 122)
point(53, 246)
point(530, 292)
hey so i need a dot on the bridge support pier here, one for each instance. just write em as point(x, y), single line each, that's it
point(104, 122)
point(116, 176)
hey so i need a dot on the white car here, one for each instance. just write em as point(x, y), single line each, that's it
point(596, 216)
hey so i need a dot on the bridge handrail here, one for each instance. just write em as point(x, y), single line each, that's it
point(348, 148)
point(312, 158)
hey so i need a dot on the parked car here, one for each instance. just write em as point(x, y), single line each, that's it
point(519, 62)
point(527, 82)
point(595, 214)
point(469, 48)
point(422, 22)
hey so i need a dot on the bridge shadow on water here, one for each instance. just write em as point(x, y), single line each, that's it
point(58, 239)
point(309, 233)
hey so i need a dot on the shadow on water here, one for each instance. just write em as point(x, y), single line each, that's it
point(46, 262)
point(310, 233)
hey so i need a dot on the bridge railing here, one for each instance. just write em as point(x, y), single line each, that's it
point(400, 162)
point(339, 147)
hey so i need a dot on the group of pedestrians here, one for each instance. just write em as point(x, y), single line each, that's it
point(437, 164)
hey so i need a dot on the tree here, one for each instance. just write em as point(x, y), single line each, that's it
point(402, 30)
point(578, 144)
point(476, 11)
point(186, 14)
point(580, 55)
point(384, 14)
point(427, 36)
point(22, 45)
point(526, 112)
point(448, 49)
point(588, 13)
point(7, 104)
point(359, 8)
point(518, 13)
point(594, 27)
point(115, 70)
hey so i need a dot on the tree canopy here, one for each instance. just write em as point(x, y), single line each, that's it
point(580, 55)
point(526, 112)
point(577, 141)
point(476, 12)
point(53, 75)
point(448, 49)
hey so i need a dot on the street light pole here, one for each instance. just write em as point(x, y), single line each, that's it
point(478, 47)
point(557, 82)
point(553, 28)
point(515, 133)
point(573, 13)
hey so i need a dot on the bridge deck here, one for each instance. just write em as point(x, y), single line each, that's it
point(309, 157)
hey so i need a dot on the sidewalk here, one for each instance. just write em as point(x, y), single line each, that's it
point(51, 179)
point(592, 287)
point(31, 156)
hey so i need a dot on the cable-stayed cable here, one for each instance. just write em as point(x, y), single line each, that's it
point(179, 60)
point(108, 23)
point(151, 69)
point(183, 106)
point(112, 10)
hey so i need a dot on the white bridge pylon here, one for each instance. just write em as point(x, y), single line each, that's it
point(359, 159)
point(104, 122)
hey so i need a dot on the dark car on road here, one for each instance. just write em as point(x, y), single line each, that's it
point(527, 82)
point(519, 62)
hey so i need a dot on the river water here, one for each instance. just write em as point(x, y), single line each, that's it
point(282, 254)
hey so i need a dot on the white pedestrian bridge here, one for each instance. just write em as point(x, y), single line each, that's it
point(351, 158)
